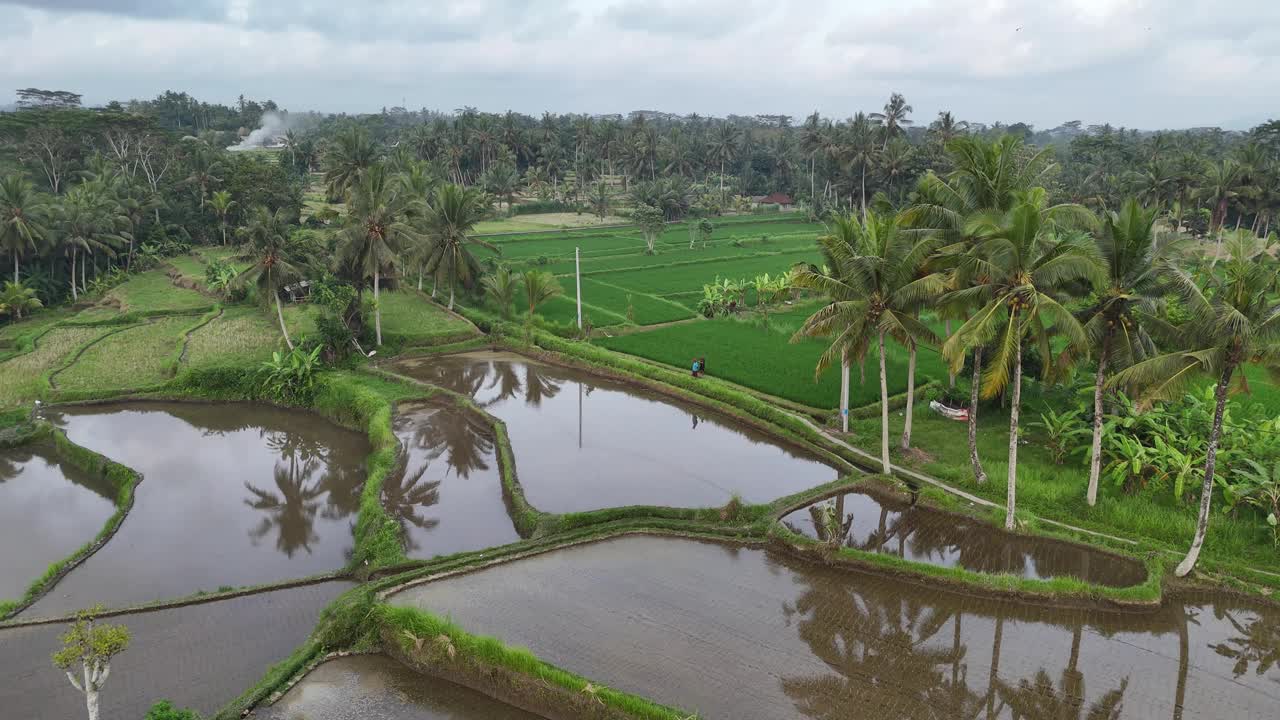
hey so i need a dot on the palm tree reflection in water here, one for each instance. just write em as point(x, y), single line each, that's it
point(291, 510)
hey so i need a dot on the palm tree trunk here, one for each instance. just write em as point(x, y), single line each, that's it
point(1095, 457)
point(377, 309)
point(452, 284)
point(15, 265)
point(911, 395)
point(1210, 462)
point(995, 666)
point(722, 182)
point(978, 473)
point(84, 286)
point(419, 278)
point(864, 193)
point(844, 395)
point(435, 285)
point(951, 377)
point(280, 316)
point(1184, 650)
point(1014, 406)
point(887, 468)
point(74, 297)
point(812, 188)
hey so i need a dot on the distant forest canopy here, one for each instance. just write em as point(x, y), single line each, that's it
point(160, 162)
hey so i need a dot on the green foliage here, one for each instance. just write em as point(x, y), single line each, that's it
point(90, 643)
point(291, 377)
point(220, 277)
point(164, 710)
point(17, 300)
point(1063, 432)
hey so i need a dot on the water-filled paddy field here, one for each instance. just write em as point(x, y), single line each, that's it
point(232, 495)
point(582, 442)
point(199, 656)
point(736, 632)
point(48, 509)
point(375, 686)
point(893, 525)
point(448, 498)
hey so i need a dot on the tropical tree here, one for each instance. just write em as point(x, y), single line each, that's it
point(651, 222)
point(1233, 321)
point(91, 646)
point(539, 287)
point(894, 118)
point(346, 159)
point(274, 264)
point(1135, 269)
point(724, 148)
point(448, 222)
point(376, 229)
point(17, 299)
point(600, 199)
point(871, 284)
point(204, 166)
point(22, 218)
point(500, 286)
point(222, 205)
point(1020, 258)
point(986, 179)
point(89, 222)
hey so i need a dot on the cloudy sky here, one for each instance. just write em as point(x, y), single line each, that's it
point(1140, 63)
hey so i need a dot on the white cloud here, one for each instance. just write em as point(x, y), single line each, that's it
point(1149, 63)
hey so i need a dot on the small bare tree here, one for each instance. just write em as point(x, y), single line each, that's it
point(91, 646)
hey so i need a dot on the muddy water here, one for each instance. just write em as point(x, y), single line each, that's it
point(583, 443)
point(232, 495)
point(894, 526)
point(449, 497)
point(375, 686)
point(199, 656)
point(48, 509)
point(737, 633)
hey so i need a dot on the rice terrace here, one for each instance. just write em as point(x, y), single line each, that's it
point(471, 415)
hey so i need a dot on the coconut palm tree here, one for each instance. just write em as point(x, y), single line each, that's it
point(346, 159)
point(1135, 268)
point(1220, 183)
point(204, 171)
point(1234, 321)
point(857, 149)
point(894, 118)
point(539, 286)
point(22, 218)
point(723, 147)
point(986, 179)
point(89, 222)
point(267, 237)
point(376, 229)
point(448, 222)
point(873, 291)
point(222, 205)
point(500, 286)
point(17, 299)
point(1019, 259)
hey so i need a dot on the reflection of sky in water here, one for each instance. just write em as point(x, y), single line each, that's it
point(893, 526)
point(47, 511)
point(583, 443)
point(744, 634)
point(232, 494)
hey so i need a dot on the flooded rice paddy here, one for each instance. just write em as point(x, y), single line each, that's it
point(735, 632)
point(199, 656)
point(449, 496)
point(375, 686)
point(48, 509)
point(233, 494)
point(583, 443)
point(895, 526)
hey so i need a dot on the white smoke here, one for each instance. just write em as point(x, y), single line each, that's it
point(274, 126)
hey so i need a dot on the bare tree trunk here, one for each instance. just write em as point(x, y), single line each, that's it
point(280, 316)
point(1014, 406)
point(978, 473)
point(1210, 462)
point(1095, 457)
point(377, 309)
point(911, 396)
point(887, 467)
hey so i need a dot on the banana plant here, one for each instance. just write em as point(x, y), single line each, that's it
point(1063, 432)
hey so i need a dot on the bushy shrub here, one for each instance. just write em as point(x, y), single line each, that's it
point(164, 710)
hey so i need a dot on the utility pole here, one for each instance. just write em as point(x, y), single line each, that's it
point(577, 277)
